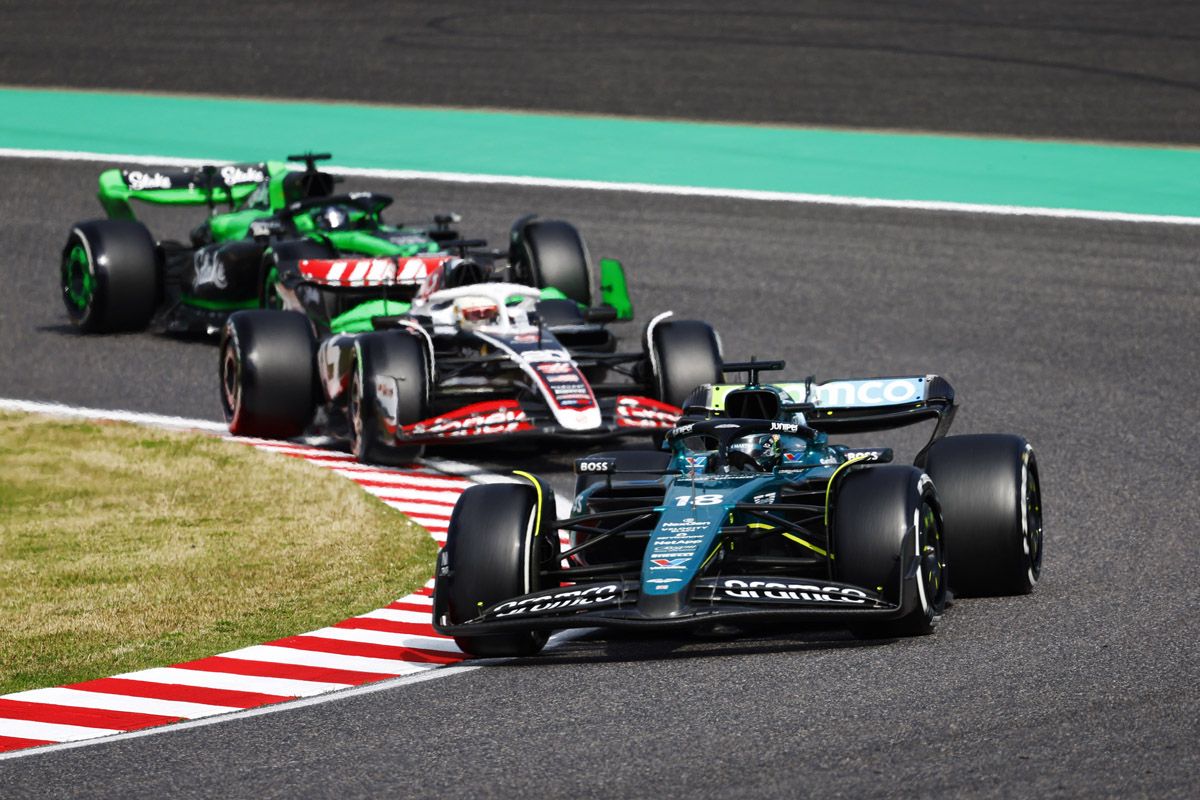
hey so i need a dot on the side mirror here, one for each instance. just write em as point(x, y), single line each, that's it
point(600, 314)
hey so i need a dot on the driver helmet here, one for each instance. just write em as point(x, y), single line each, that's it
point(764, 448)
point(473, 312)
point(332, 218)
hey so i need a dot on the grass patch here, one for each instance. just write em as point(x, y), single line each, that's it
point(123, 547)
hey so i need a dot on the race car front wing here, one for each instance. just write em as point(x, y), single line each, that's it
point(614, 604)
point(492, 419)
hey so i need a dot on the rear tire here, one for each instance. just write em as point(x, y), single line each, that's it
point(991, 500)
point(495, 551)
point(555, 255)
point(884, 519)
point(267, 373)
point(401, 357)
point(110, 276)
point(683, 354)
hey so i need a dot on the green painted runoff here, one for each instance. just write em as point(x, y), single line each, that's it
point(892, 166)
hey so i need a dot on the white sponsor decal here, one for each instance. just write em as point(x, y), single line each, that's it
point(536, 356)
point(139, 181)
point(232, 175)
point(208, 269)
point(880, 392)
point(864, 455)
point(780, 590)
point(503, 420)
point(551, 368)
point(699, 499)
point(569, 598)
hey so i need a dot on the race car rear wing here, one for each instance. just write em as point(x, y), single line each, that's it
point(876, 404)
point(186, 186)
point(872, 404)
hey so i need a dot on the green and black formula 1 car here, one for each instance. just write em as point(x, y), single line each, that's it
point(266, 216)
point(753, 514)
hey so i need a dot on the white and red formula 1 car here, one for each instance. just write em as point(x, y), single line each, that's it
point(467, 357)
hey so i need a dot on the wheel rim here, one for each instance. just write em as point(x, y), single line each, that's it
point(231, 383)
point(78, 282)
point(932, 572)
point(1032, 543)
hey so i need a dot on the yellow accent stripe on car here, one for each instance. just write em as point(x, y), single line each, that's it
point(794, 538)
point(806, 543)
point(829, 486)
point(537, 485)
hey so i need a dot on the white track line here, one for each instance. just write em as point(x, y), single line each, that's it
point(136, 417)
point(642, 188)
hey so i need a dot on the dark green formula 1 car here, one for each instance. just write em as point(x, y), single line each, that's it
point(754, 514)
point(266, 217)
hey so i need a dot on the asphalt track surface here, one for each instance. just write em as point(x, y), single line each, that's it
point(1079, 335)
point(1092, 69)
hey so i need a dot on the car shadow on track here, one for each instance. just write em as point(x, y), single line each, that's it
point(613, 648)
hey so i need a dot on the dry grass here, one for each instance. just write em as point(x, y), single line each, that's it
point(124, 547)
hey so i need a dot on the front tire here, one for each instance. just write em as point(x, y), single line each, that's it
point(267, 373)
point(499, 540)
point(991, 500)
point(400, 361)
point(887, 535)
point(110, 276)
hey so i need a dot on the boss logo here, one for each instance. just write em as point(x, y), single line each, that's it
point(585, 466)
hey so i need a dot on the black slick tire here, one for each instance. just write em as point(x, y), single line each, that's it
point(400, 360)
point(886, 533)
point(683, 354)
point(990, 492)
point(498, 541)
point(556, 256)
point(267, 363)
point(110, 276)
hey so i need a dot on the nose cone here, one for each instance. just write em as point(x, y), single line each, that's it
point(661, 606)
